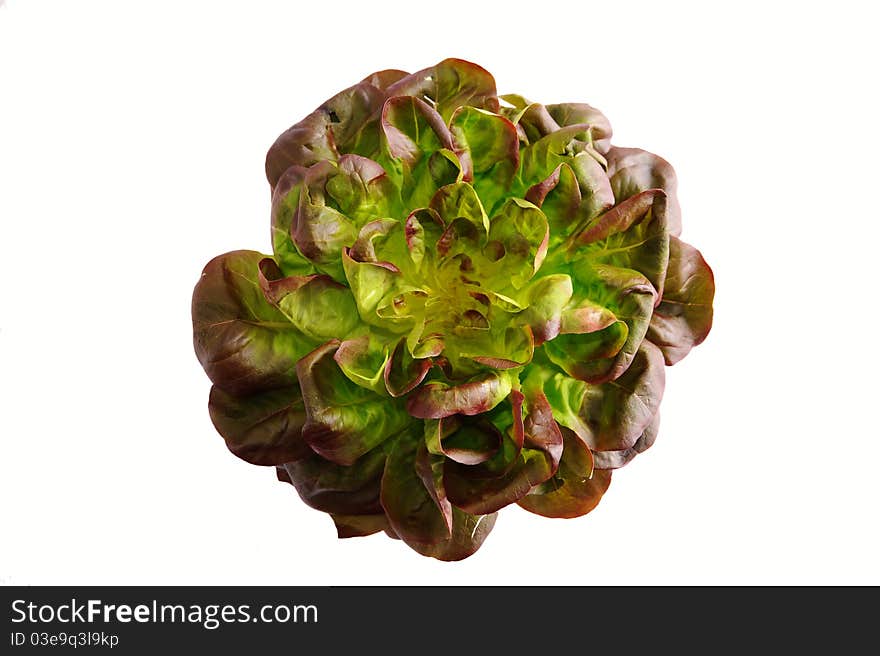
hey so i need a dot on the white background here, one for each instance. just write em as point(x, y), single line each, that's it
point(132, 142)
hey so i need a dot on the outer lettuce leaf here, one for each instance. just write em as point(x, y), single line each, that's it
point(345, 123)
point(566, 114)
point(345, 490)
point(449, 85)
point(611, 416)
point(632, 235)
point(351, 117)
point(412, 496)
point(304, 144)
point(577, 487)
point(684, 317)
point(632, 171)
point(245, 344)
point(616, 413)
point(468, 534)
point(263, 428)
point(384, 79)
point(619, 458)
point(357, 526)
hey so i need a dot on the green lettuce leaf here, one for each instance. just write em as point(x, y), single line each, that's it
point(245, 344)
point(344, 420)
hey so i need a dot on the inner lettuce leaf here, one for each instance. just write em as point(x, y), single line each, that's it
point(469, 303)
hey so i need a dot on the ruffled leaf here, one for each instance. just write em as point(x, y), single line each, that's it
point(362, 360)
point(245, 344)
point(596, 193)
point(564, 394)
point(366, 249)
point(402, 372)
point(418, 150)
point(618, 412)
point(460, 201)
point(539, 159)
point(576, 488)
point(423, 229)
point(468, 534)
point(285, 201)
point(601, 355)
point(533, 118)
point(632, 235)
point(370, 284)
point(317, 305)
point(531, 457)
point(403, 312)
point(263, 428)
point(436, 398)
point(449, 85)
point(358, 526)
point(522, 232)
point(507, 347)
point(319, 231)
point(351, 118)
point(304, 144)
point(344, 420)
point(413, 496)
point(360, 190)
point(566, 114)
point(547, 297)
point(338, 489)
point(488, 147)
point(632, 171)
point(468, 442)
point(559, 197)
point(412, 128)
point(585, 316)
point(684, 317)
point(617, 459)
